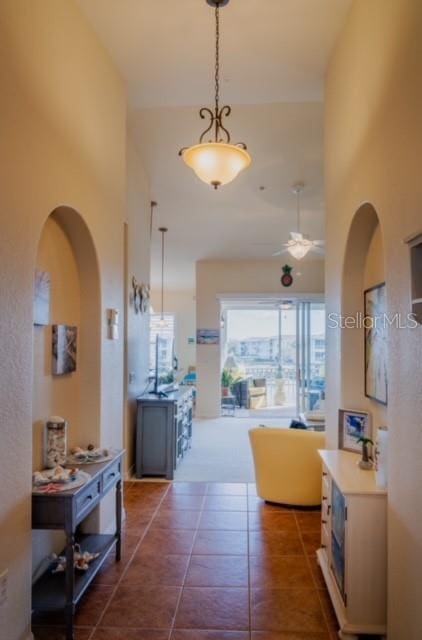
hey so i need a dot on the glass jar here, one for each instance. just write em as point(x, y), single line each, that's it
point(55, 442)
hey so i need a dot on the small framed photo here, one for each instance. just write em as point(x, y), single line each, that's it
point(353, 425)
point(208, 336)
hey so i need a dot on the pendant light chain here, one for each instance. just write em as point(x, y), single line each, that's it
point(217, 58)
point(215, 159)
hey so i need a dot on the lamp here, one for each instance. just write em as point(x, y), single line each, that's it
point(298, 246)
point(162, 324)
point(218, 161)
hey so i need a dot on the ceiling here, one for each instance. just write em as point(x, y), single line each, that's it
point(274, 55)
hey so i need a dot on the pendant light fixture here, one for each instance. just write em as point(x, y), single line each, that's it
point(162, 324)
point(216, 161)
point(298, 246)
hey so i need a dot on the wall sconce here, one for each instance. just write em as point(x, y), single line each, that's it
point(112, 324)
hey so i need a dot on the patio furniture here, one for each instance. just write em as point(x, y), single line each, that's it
point(287, 465)
point(258, 393)
point(228, 405)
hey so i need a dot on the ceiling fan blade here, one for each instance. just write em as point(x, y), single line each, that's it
point(319, 250)
point(295, 235)
point(279, 253)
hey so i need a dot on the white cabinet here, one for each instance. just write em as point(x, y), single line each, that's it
point(353, 553)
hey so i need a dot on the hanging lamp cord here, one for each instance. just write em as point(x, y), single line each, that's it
point(298, 210)
point(162, 274)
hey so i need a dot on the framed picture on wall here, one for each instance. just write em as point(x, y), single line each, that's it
point(42, 287)
point(376, 383)
point(353, 425)
point(208, 336)
point(64, 348)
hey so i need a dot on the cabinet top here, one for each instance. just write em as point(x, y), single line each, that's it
point(350, 479)
point(171, 397)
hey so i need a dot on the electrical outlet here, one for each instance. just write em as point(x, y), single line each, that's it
point(3, 587)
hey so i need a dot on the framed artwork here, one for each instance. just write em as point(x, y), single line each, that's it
point(42, 288)
point(64, 349)
point(208, 336)
point(376, 383)
point(351, 426)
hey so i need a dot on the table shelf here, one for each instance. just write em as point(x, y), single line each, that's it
point(48, 592)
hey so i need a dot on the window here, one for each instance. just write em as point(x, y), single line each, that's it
point(166, 345)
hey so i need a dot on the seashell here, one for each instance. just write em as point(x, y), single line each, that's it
point(38, 478)
point(76, 450)
point(91, 447)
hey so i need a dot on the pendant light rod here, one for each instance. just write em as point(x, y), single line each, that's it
point(297, 189)
point(162, 230)
point(153, 204)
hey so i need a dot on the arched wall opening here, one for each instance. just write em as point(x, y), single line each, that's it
point(363, 268)
point(66, 252)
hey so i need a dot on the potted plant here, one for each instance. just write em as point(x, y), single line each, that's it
point(365, 462)
point(226, 382)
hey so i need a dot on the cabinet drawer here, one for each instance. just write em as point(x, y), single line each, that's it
point(86, 500)
point(110, 476)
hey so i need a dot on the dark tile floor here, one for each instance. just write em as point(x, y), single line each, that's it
point(207, 562)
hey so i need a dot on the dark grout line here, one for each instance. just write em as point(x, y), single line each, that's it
point(176, 611)
point(128, 564)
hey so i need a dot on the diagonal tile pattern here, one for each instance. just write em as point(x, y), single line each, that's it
point(206, 561)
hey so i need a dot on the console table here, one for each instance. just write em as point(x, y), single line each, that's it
point(163, 432)
point(66, 510)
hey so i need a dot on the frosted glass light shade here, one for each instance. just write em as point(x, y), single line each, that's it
point(299, 248)
point(216, 163)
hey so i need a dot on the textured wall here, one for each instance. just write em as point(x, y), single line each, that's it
point(63, 133)
point(373, 154)
point(137, 263)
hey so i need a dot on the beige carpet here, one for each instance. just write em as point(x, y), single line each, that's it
point(220, 450)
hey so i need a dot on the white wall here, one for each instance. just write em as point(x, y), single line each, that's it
point(63, 133)
point(373, 154)
point(238, 276)
point(183, 305)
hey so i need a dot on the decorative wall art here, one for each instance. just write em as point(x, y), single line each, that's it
point(287, 278)
point(42, 288)
point(140, 297)
point(353, 425)
point(208, 336)
point(376, 383)
point(64, 349)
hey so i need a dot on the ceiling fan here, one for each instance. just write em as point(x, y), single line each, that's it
point(299, 245)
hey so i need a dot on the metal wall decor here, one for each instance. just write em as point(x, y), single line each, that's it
point(216, 161)
point(141, 294)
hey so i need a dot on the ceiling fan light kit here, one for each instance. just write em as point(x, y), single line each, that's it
point(216, 161)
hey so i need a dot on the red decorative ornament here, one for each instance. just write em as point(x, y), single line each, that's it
point(287, 278)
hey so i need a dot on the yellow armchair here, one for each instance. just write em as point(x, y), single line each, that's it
point(287, 465)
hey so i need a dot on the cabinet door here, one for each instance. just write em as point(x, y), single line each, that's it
point(338, 520)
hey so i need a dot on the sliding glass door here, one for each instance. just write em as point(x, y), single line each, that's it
point(276, 354)
point(310, 356)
